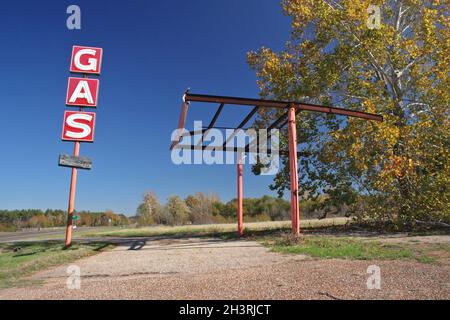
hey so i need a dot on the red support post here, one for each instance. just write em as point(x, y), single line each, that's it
point(181, 123)
point(295, 214)
point(73, 185)
point(240, 197)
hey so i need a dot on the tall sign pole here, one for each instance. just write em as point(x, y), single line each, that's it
point(79, 126)
point(73, 185)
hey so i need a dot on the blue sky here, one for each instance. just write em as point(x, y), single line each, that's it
point(153, 51)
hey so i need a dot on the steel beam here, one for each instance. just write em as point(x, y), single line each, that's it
point(234, 100)
point(339, 111)
point(216, 115)
point(282, 104)
point(211, 124)
point(275, 124)
point(241, 125)
point(234, 149)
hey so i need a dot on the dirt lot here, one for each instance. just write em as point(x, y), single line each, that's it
point(196, 268)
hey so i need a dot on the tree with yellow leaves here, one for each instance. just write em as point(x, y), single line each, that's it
point(382, 56)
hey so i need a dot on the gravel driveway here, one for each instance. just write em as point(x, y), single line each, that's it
point(217, 269)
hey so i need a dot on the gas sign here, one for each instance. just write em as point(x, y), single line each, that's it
point(82, 92)
point(86, 59)
point(78, 126)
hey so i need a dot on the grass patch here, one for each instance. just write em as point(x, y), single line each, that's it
point(346, 248)
point(427, 259)
point(19, 260)
point(443, 247)
point(223, 232)
point(154, 231)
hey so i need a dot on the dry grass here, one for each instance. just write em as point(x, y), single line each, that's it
point(216, 229)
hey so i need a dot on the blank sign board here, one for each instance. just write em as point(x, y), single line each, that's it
point(66, 160)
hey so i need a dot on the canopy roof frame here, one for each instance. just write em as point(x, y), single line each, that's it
point(288, 117)
point(256, 103)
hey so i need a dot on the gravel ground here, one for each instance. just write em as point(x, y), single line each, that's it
point(216, 269)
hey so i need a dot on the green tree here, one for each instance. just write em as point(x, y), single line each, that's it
point(147, 212)
point(178, 210)
point(201, 207)
point(395, 171)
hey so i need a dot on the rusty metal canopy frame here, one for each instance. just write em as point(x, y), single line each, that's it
point(289, 117)
point(257, 104)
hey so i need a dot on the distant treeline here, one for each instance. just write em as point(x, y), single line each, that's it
point(13, 220)
point(194, 209)
point(202, 209)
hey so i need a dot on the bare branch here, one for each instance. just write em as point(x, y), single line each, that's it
point(409, 65)
point(399, 16)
